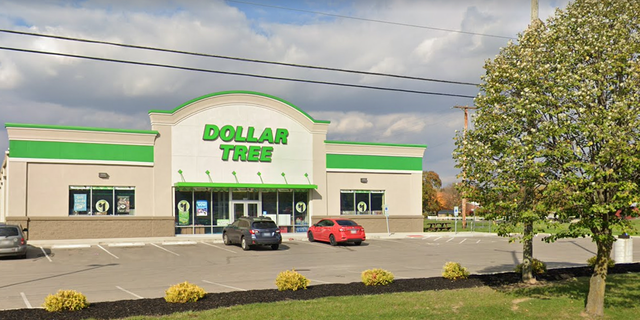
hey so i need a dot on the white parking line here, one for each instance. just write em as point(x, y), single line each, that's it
point(105, 250)
point(45, 254)
point(129, 292)
point(24, 298)
point(478, 241)
point(438, 238)
point(463, 240)
point(221, 248)
point(449, 239)
point(222, 285)
point(155, 245)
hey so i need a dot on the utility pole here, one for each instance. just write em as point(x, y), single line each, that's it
point(534, 10)
point(464, 133)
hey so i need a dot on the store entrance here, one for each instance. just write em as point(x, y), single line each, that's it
point(245, 209)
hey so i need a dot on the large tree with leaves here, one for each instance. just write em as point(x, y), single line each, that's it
point(558, 126)
point(431, 185)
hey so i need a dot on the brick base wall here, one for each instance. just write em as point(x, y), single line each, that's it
point(94, 227)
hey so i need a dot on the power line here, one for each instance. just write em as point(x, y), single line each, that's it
point(371, 20)
point(236, 73)
point(233, 58)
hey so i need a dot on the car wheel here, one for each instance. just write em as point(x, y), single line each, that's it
point(357, 243)
point(225, 239)
point(275, 246)
point(244, 244)
point(310, 236)
point(332, 240)
point(24, 256)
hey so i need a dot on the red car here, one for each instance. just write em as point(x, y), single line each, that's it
point(337, 231)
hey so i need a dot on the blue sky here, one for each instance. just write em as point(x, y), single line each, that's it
point(65, 91)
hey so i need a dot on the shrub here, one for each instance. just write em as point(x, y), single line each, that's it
point(591, 262)
point(65, 300)
point(537, 267)
point(377, 277)
point(454, 271)
point(291, 280)
point(184, 292)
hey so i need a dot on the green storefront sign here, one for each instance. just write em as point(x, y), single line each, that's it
point(239, 152)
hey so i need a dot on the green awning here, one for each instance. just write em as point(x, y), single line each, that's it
point(244, 185)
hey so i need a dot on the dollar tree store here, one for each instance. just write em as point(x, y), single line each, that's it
point(202, 165)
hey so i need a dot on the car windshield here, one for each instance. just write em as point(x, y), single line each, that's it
point(264, 224)
point(346, 223)
point(8, 232)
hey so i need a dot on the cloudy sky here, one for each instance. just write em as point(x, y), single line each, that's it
point(430, 39)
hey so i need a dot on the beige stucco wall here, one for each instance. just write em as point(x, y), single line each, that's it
point(402, 191)
point(48, 186)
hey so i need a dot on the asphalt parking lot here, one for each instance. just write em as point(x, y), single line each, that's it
point(145, 269)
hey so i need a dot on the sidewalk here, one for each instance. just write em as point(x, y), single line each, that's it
point(217, 238)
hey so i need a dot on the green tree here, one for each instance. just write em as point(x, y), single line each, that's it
point(557, 128)
point(431, 185)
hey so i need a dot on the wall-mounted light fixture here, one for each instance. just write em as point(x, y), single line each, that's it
point(364, 180)
point(103, 175)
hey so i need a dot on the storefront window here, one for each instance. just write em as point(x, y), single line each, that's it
point(301, 203)
point(210, 211)
point(361, 202)
point(270, 205)
point(101, 200)
point(183, 209)
point(125, 201)
point(245, 195)
point(285, 210)
point(202, 211)
point(220, 207)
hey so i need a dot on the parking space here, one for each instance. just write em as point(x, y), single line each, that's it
point(145, 270)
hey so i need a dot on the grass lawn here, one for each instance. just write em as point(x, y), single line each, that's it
point(558, 300)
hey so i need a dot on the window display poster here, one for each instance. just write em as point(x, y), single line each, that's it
point(202, 208)
point(79, 202)
point(123, 204)
point(183, 212)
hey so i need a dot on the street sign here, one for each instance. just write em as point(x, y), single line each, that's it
point(455, 211)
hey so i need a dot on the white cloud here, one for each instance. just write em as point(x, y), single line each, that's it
point(68, 91)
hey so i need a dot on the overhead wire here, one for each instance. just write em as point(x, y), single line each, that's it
point(232, 58)
point(234, 73)
point(371, 20)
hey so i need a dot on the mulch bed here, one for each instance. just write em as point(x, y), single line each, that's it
point(157, 307)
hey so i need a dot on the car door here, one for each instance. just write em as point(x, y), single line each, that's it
point(233, 232)
point(325, 229)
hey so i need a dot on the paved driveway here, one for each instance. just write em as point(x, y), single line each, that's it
point(118, 271)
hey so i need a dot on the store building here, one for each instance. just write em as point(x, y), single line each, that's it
point(203, 164)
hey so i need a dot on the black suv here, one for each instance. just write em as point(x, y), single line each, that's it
point(250, 231)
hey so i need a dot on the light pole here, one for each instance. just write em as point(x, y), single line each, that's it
point(464, 133)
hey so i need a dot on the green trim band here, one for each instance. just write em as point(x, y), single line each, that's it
point(377, 144)
point(237, 92)
point(244, 185)
point(79, 151)
point(42, 126)
point(348, 161)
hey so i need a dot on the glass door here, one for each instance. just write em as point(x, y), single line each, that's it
point(245, 209)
